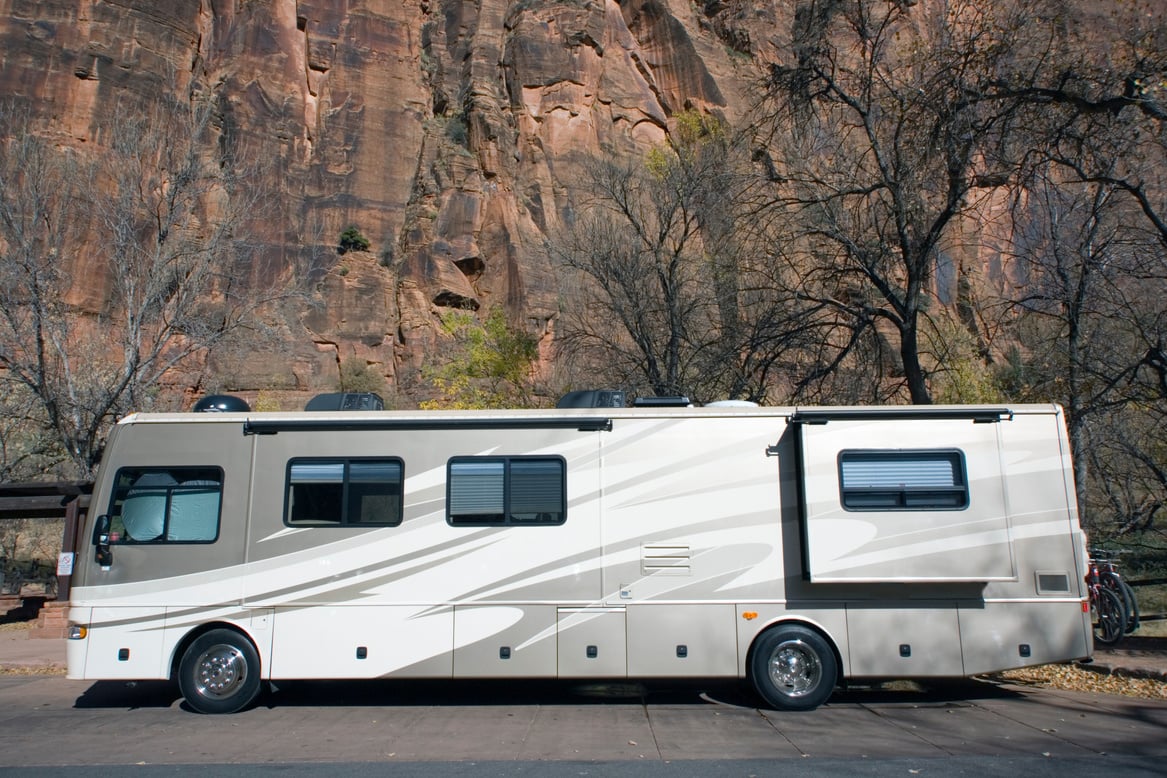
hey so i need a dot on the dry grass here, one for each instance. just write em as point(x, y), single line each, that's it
point(1152, 600)
point(1152, 629)
point(15, 630)
point(24, 670)
point(1075, 678)
point(15, 626)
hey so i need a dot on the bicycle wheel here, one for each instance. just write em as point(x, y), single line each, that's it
point(1132, 607)
point(1110, 617)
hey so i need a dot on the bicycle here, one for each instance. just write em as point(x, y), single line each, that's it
point(1108, 611)
point(1110, 577)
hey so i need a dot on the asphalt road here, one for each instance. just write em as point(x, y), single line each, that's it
point(48, 723)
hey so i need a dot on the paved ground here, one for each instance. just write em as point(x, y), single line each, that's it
point(17, 651)
point(49, 721)
point(960, 728)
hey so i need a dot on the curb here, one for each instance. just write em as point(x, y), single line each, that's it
point(1123, 672)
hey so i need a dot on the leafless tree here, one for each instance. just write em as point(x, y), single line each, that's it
point(644, 304)
point(1090, 203)
point(1091, 325)
point(1096, 78)
point(1090, 297)
point(120, 265)
point(893, 126)
point(881, 142)
point(673, 294)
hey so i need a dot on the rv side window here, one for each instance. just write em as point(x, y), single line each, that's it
point(903, 480)
point(166, 505)
point(348, 492)
point(506, 490)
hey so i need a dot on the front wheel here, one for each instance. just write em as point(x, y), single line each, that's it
point(1110, 617)
point(793, 668)
point(219, 672)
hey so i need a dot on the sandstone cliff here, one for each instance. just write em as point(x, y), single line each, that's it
point(448, 131)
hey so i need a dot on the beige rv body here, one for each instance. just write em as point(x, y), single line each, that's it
point(685, 536)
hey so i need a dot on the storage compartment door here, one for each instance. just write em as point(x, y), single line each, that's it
point(592, 643)
point(505, 641)
point(362, 641)
point(694, 640)
point(889, 641)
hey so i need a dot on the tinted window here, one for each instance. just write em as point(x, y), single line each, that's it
point(166, 505)
point(335, 492)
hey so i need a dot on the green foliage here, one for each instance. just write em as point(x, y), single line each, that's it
point(1017, 379)
point(962, 376)
point(492, 366)
point(966, 381)
point(695, 134)
point(659, 161)
point(266, 402)
point(352, 240)
point(457, 131)
point(695, 128)
point(357, 375)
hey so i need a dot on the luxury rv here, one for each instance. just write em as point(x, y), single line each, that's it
point(798, 548)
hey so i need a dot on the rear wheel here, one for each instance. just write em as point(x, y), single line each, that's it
point(1109, 617)
point(1132, 606)
point(219, 672)
point(793, 668)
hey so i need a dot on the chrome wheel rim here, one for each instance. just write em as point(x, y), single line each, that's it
point(795, 668)
point(220, 671)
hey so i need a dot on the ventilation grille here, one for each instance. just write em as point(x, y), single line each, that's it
point(660, 559)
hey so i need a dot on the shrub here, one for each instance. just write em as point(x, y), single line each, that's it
point(357, 375)
point(266, 401)
point(490, 368)
point(352, 240)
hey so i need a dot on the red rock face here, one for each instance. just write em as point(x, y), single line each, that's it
point(448, 131)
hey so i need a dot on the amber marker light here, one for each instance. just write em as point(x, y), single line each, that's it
point(77, 632)
point(749, 615)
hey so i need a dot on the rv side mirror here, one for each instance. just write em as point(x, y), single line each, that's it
point(102, 553)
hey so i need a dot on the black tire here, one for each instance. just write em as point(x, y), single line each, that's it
point(1132, 606)
point(793, 668)
point(1109, 617)
point(1126, 595)
point(219, 672)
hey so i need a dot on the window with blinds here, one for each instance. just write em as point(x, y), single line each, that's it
point(506, 490)
point(903, 480)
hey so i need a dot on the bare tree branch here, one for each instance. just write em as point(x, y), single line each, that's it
point(118, 266)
